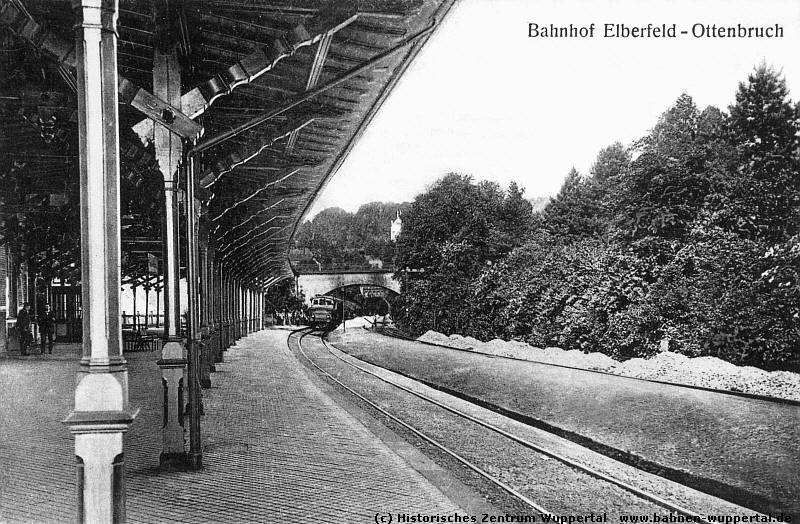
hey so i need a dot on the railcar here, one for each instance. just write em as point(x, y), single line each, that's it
point(325, 312)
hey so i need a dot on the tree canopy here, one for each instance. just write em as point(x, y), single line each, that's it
point(450, 233)
point(337, 238)
point(687, 239)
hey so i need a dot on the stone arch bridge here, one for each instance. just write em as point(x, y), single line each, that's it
point(323, 282)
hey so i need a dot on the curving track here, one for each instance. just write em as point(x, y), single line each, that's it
point(504, 456)
point(740, 449)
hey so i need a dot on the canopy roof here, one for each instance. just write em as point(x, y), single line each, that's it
point(275, 94)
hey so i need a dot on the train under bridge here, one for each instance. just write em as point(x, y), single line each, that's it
point(371, 282)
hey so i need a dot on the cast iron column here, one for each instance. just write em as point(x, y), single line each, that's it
point(253, 323)
point(203, 335)
point(247, 310)
point(226, 300)
point(218, 305)
point(237, 309)
point(102, 414)
point(242, 310)
point(169, 149)
point(192, 323)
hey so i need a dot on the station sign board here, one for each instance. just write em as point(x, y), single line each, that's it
point(373, 291)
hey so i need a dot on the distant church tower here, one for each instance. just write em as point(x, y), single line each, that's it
point(397, 225)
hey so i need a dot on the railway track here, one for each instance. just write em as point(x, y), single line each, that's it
point(523, 469)
point(394, 333)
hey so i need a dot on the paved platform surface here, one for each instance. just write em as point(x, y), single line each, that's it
point(276, 449)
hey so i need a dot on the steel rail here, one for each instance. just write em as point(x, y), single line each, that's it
point(672, 506)
point(431, 440)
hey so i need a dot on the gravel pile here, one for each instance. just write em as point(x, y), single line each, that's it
point(457, 341)
point(709, 372)
point(434, 337)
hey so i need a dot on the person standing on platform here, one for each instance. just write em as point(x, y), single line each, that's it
point(47, 324)
point(24, 328)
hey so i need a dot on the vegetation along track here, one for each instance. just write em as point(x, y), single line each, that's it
point(523, 469)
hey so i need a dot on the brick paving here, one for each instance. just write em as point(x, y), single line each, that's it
point(276, 449)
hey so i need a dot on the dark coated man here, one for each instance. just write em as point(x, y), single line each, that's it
point(24, 328)
point(47, 326)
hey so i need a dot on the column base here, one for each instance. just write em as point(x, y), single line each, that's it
point(99, 451)
point(173, 462)
point(217, 346)
point(205, 383)
point(173, 367)
point(210, 337)
point(195, 461)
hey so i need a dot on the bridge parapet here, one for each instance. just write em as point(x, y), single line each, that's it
point(306, 268)
point(323, 282)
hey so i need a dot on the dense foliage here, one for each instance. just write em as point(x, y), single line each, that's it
point(450, 234)
point(336, 238)
point(687, 240)
point(281, 298)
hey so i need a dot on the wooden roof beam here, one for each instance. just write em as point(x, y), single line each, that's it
point(211, 175)
point(269, 281)
point(241, 218)
point(249, 234)
point(129, 93)
point(238, 225)
point(389, 10)
point(254, 273)
point(134, 159)
point(249, 272)
point(308, 95)
point(276, 179)
point(241, 258)
point(247, 69)
point(239, 26)
point(231, 250)
point(314, 74)
point(283, 160)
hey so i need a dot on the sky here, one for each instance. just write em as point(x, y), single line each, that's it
point(483, 98)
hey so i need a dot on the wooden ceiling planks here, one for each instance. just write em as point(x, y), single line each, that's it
point(242, 58)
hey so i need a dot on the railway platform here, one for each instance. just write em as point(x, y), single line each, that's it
point(277, 448)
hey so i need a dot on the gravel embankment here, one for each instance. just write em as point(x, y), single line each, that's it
point(709, 372)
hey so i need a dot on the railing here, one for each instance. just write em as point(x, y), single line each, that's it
point(142, 332)
point(141, 320)
point(134, 340)
point(305, 269)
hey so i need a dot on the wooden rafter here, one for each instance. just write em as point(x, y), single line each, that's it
point(314, 74)
point(250, 150)
point(277, 178)
point(253, 209)
point(230, 230)
point(63, 51)
point(245, 70)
